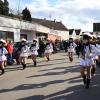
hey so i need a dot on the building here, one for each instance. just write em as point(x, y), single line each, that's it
point(57, 29)
point(15, 29)
point(75, 33)
point(96, 28)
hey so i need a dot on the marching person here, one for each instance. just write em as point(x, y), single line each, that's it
point(71, 48)
point(34, 51)
point(86, 60)
point(23, 48)
point(98, 46)
point(77, 49)
point(48, 50)
point(3, 53)
point(94, 56)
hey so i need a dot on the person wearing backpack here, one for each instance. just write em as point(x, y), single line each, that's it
point(86, 60)
point(3, 53)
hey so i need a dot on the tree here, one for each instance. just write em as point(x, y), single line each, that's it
point(5, 7)
point(1, 7)
point(26, 15)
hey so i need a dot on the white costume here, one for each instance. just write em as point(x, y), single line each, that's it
point(24, 51)
point(49, 48)
point(3, 52)
point(34, 49)
point(71, 47)
point(88, 59)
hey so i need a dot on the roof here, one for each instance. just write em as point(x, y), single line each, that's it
point(50, 24)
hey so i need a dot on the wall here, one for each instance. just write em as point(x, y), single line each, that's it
point(30, 34)
point(63, 34)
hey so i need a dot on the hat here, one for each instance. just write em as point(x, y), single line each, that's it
point(23, 39)
point(87, 36)
point(94, 36)
point(3, 41)
point(98, 36)
point(35, 40)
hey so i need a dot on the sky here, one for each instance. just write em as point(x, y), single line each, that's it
point(77, 14)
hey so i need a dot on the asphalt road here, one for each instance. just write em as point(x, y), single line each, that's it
point(58, 79)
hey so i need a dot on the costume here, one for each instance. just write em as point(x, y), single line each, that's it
point(49, 48)
point(34, 49)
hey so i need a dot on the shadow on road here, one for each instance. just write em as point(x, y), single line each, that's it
point(40, 85)
point(76, 92)
point(66, 70)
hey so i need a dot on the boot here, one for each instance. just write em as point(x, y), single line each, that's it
point(93, 71)
point(24, 66)
point(35, 63)
point(71, 59)
point(3, 71)
point(48, 59)
point(84, 79)
point(87, 83)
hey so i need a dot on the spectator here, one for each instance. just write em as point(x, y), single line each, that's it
point(10, 60)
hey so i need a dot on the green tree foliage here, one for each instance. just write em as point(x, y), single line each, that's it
point(4, 7)
point(1, 7)
point(26, 15)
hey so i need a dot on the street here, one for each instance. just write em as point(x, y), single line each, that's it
point(58, 79)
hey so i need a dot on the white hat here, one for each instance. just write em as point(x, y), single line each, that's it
point(3, 41)
point(98, 36)
point(23, 39)
point(35, 40)
point(94, 36)
point(88, 34)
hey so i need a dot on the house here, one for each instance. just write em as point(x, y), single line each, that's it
point(57, 29)
point(16, 28)
point(96, 28)
point(75, 33)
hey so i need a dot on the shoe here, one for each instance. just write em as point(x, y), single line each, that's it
point(35, 63)
point(3, 71)
point(84, 79)
point(71, 59)
point(48, 59)
point(87, 84)
point(24, 66)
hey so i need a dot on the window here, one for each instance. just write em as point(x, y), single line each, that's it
point(6, 35)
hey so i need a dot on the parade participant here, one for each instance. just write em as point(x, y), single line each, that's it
point(34, 51)
point(77, 49)
point(86, 61)
point(48, 50)
point(71, 48)
point(23, 48)
point(98, 46)
point(3, 53)
point(94, 56)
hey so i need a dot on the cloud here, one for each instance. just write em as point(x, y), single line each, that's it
point(73, 13)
